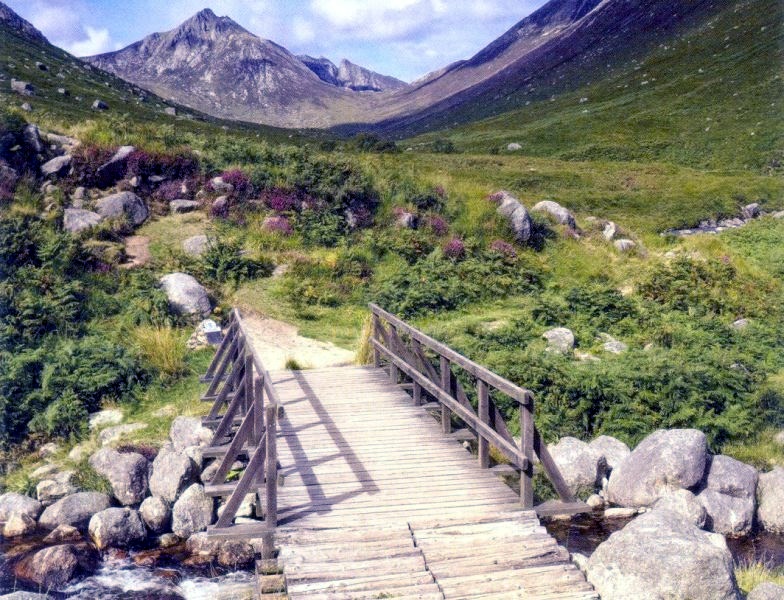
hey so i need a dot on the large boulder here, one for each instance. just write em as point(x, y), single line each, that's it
point(729, 496)
point(116, 528)
point(75, 510)
point(156, 514)
point(77, 220)
point(581, 466)
point(126, 472)
point(49, 569)
point(513, 210)
point(559, 340)
point(686, 504)
point(23, 88)
point(557, 212)
point(666, 460)
point(183, 206)
point(111, 435)
point(192, 512)
point(57, 167)
point(764, 591)
point(111, 172)
point(770, 492)
point(613, 450)
point(233, 554)
point(31, 136)
point(172, 472)
point(663, 556)
point(18, 525)
point(123, 204)
point(103, 418)
point(186, 295)
point(12, 502)
point(57, 486)
point(188, 431)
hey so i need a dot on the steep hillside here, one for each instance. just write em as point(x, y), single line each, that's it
point(351, 76)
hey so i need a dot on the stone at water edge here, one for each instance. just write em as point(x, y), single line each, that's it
point(613, 450)
point(764, 591)
point(729, 496)
point(186, 295)
point(172, 472)
point(56, 487)
point(581, 466)
point(770, 493)
point(156, 514)
point(13, 502)
point(126, 472)
point(230, 554)
point(188, 431)
point(76, 510)
point(116, 528)
point(559, 339)
point(662, 555)
point(19, 524)
point(63, 534)
point(193, 512)
point(49, 569)
point(666, 460)
point(561, 214)
point(686, 504)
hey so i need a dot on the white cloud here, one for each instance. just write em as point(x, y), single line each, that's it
point(98, 41)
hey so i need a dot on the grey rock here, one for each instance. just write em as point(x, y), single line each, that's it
point(103, 418)
point(62, 141)
point(613, 346)
point(513, 210)
point(230, 554)
point(156, 514)
point(171, 111)
point(172, 472)
point(770, 493)
point(122, 204)
point(581, 466)
point(75, 510)
point(186, 295)
point(196, 245)
point(183, 206)
point(32, 139)
point(19, 524)
point(23, 88)
point(76, 220)
point(779, 438)
point(12, 502)
point(686, 504)
point(558, 212)
point(111, 435)
point(220, 186)
point(57, 167)
point(661, 555)
point(27, 107)
point(729, 494)
point(595, 501)
point(24, 596)
point(767, 591)
point(45, 471)
point(407, 220)
point(111, 172)
point(63, 92)
point(59, 486)
point(100, 105)
point(664, 461)
point(220, 206)
point(188, 431)
point(63, 534)
point(779, 214)
point(48, 450)
point(559, 339)
point(116, 528)
point(50, 569)
point(624, 245)
point(610, 231)
point(192, 512)
point(750, 211)
point(613, 450)
point(620, 513)
point(126, 472)
point(741, 324)
point(514, 147)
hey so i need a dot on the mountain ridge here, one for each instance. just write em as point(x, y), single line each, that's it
point(17, 23)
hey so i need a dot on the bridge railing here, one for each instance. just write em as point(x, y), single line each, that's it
point(243, 417)
point(410, 354)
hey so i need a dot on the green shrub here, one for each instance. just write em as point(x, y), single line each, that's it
point(64, 418)
point(321, 227)
point(224, 262)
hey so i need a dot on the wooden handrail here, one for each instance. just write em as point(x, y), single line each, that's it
point(444, 387)
point(238, 386)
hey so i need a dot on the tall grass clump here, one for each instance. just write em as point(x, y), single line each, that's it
point(162, 348)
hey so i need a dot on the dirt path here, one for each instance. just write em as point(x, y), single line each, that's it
point(137, 249)
point(278, 342)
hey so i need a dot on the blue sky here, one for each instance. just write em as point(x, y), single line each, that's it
point(404, 38)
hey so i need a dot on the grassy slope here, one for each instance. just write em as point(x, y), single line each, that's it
point(709, 99)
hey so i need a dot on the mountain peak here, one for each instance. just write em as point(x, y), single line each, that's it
point(206, 22)
point(14, 21)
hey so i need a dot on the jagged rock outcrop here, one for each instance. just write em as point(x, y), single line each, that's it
point(18, 24)
point(351, 76)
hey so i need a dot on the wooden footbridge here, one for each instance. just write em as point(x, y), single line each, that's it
point(364, 489)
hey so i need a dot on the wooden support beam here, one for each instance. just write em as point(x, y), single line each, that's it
point(483, 394)
point(447, 378)
point(527, 448)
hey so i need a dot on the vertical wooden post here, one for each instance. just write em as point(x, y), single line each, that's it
point(447, 385)
point(249, 389)
point(258, 406)
point(394, 372)
point(417, 349)
point(527, 448)
point(483, 393)
point(271, 469)
point(376, 335)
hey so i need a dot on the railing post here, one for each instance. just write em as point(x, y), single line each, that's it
point(446, 384)
point(417, 349)
point(249, 390)
point(258, 406)
point(394, 372)
point(271, 470)
point(483, 394)
point(376, 335)
point(527, 448)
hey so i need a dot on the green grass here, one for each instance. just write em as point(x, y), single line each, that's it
point(749, 576)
